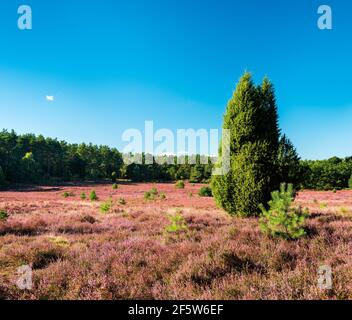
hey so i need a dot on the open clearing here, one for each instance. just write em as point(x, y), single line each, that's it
point(78, 252)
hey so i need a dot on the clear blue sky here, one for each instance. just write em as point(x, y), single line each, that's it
point(113, 64)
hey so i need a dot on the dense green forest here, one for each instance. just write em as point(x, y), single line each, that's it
point(35, 159)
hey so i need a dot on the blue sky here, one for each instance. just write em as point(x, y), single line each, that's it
point(111, 65)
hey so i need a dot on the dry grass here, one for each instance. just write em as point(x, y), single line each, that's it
point(79, 253)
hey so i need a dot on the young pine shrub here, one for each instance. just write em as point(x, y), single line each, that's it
point(148, 196)
point(115, 186)
point(180, 184)
point(3, 215)
point(93, 196)
point(106, 206)
point(205, 192)
point(282, 219)
point(177, 224)
point(68, 194)
point(122, 201)
point(154, 194)
point(83, 196)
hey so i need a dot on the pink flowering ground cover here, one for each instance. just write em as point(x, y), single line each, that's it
point(77, 251)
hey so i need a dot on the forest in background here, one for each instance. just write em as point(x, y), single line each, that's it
point(31, 159)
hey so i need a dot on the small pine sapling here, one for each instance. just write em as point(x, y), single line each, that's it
point(282, 219)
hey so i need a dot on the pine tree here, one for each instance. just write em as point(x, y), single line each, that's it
point(251, 117)
point(282, 219)
point(288, 162)
point(197, 174)
point(2, 178)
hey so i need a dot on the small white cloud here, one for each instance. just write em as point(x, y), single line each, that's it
point(50, 98)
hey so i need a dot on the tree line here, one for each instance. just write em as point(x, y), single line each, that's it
point(34, 159)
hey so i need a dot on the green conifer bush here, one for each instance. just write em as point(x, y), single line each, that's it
point(282, 219)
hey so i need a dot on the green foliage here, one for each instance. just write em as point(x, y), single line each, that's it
point(205, 192)
point(148, 196)
point(83, 196)
point(330, 174)
point(106, 206)
point(177, 224)
point(29, 167)
point(3, 215)
point(350, 182)
point(154, 194)
point(35, 159)
point(282, 219)
point(251, 117)
point(288, 163)
point(93, 196)
point(68, 194)
point(197, 174)
point(180, 184)
point(2, 178)
point(115, 186)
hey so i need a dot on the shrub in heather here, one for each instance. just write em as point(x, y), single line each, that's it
point(3, 215)
point(115, 186)
point(180, 184)
point(122, 201)
point(162, 196)
point(153, 194)
point(282, 219)
point(252, 120)
point(93, 196)
point(148, 196)
point(177, 224)
point(83, 196)
point(106, 206)
point(205, 192)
